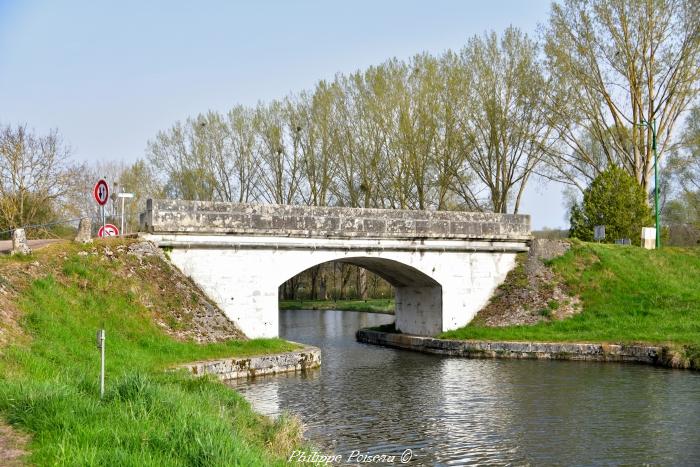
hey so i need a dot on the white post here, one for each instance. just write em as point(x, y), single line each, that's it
point(101, 345)
point(123, 195)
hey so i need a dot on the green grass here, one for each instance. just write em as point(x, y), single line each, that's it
point(629, 295)
point(372, 305)
point(49, 385)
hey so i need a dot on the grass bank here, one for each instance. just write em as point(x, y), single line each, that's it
point(372, 305)
point(49, 371)
point(629, 295)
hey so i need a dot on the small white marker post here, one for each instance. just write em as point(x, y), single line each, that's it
point(101, 346)
point(123, 196)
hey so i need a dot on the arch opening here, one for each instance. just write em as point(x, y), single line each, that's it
point(417, 296)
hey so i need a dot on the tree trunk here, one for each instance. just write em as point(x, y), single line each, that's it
point(314, 271)
point(322, 291)
point(362, 283)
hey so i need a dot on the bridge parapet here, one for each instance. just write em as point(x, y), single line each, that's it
point(206, 217)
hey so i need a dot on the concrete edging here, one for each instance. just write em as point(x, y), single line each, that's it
point(650, 355)
point(249, 367)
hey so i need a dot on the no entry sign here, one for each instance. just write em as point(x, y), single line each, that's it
point(108, 230)
point(101, 192)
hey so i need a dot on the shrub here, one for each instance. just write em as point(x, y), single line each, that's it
point(614, 199)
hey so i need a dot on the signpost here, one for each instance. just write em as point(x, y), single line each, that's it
point(101, 192)
point(108, 230)
point(598, 232)
point(101, 195)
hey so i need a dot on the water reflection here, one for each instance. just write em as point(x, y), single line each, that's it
point(453, 411)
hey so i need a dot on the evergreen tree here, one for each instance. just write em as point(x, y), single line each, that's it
point(614, 199)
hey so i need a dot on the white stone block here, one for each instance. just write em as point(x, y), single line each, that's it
point(649, 238)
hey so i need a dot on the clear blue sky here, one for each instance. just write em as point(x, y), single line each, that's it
point(109, 75)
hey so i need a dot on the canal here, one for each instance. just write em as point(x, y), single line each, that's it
point(454, 411)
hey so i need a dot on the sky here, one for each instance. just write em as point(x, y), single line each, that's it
point(110, 75)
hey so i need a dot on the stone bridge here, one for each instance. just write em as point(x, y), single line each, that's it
point(443, 265)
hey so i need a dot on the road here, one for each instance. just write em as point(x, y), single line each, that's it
point(6, 245)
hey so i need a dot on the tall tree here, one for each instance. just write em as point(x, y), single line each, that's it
point(315, 114)
point(278, 152)
point(506, 127)
point(684, 170)
point(184, 156)
point(417, 136)
point(617, 64)
point(450, 176)
point(244, 167)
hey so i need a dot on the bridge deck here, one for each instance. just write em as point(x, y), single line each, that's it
point(204, 217)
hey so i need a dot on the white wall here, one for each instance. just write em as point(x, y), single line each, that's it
point(438, 288)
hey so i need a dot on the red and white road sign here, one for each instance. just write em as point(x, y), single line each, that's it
point(101, 192)
point(108, 230)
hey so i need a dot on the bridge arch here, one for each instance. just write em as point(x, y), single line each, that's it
point(417, 295)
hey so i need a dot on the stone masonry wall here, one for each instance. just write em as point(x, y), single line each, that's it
point(170, 216)
point(652, 355)
point(249, 367)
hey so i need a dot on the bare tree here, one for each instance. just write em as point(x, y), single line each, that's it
point(184, 156)
point(35, 176)
point(504, 122)
point(80, 201)
point(315, 117)
point(619, 63)
point(278, 153)
point(242, 131)
point(683, 169)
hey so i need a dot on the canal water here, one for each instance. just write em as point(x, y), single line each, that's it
point(455, 411)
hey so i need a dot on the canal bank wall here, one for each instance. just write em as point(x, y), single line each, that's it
point(650, 355)
point(249, 367)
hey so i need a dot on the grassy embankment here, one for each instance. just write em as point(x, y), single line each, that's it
point(49, 373)
point(629, 295)
point(372, 305)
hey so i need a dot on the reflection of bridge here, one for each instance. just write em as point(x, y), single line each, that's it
point(444, 265)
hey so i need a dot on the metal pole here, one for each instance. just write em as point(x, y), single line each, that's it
point(656, 183)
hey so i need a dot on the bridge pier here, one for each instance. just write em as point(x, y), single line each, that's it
point(419, 310)
point(240, 254)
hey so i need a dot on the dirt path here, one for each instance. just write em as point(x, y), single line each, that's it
point(12, 446)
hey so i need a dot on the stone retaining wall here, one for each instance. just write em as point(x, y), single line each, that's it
point(250, 367)
point(650, 355)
